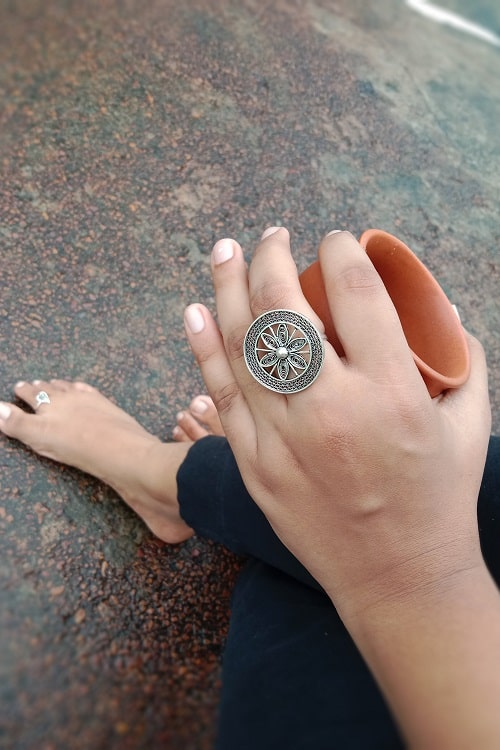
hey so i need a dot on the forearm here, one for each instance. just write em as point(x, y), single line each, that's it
point(436, 657)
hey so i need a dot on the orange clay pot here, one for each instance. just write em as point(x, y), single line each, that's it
point(431, 326)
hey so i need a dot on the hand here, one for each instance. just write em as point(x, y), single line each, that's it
point(367, 480)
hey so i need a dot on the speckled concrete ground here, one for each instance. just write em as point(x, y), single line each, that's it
point(133, 134)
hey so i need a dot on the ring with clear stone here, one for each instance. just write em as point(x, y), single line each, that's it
point(41, 398)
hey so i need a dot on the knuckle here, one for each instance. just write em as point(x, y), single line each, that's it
point(233, 342)
point(225, 398)
point(411, 415)
point(411, 423)
point(359, 278)
point(203, 356)
point(271, 295)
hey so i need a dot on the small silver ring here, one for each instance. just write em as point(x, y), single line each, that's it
point(284, 351)
point(41, 398)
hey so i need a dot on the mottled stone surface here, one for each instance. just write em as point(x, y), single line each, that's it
point(132, 135)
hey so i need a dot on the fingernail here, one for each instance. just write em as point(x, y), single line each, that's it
point(334, 231)
point(5, 411)
point(269, 231)
point(223, 251)
point(199, 406)
point(179, 415)
point(455, 308)
point(19, 384)
point(194, 319)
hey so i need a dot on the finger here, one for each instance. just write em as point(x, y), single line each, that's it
point(471, 401)
point(364, 316)
point(217, 370)
point(273, 278)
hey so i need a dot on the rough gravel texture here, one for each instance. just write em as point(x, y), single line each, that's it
point(132, 136)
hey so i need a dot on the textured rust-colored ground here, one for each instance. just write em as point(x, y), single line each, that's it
point(132, 136)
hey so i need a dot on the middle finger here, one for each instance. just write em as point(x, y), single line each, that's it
point(273, 279)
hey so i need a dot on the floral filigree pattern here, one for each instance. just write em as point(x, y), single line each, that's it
point(281, 352)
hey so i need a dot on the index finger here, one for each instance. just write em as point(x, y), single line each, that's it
point(363, 313)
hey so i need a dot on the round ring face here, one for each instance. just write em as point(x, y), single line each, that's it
point(284, 351)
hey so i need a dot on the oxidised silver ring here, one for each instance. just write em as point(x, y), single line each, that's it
point(284, 351)
point(42, 398)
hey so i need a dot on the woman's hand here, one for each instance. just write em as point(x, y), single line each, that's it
point(367, 480)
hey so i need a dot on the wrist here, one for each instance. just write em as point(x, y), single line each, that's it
point(430, 595)
point(405, 575)
point(437, 648)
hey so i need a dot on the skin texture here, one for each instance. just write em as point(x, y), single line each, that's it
point(82, 428)
point(379, 502)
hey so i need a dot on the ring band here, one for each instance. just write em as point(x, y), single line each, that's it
point(42, 398)
point(284, 351)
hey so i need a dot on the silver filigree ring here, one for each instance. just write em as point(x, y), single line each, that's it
point(284, 351)
point(41, 398)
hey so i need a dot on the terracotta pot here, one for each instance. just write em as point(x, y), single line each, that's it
point(431, 326)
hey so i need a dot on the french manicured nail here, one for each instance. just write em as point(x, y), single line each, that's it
point(269, 231)
point(5, 411)
point(334, 231)
point(194, 319)
point(223, 251)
